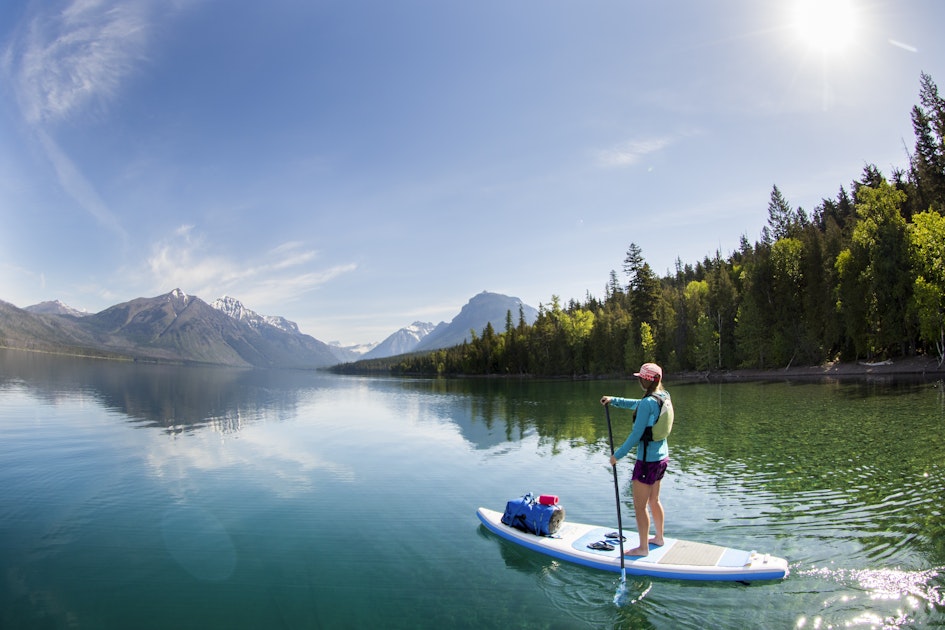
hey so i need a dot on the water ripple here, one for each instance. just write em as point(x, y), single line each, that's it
point(914, 589)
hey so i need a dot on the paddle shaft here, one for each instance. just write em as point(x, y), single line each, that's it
point(610, 433)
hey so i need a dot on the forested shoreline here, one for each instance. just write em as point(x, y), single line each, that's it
point(860, 278)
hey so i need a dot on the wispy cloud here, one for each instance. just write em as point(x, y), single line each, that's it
point(62, 62)
point(904, 46)
point(186, 261)
point(77, 186)
point(67, 63)
point(631, 152)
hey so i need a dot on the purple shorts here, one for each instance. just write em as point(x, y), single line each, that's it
point(649, 472)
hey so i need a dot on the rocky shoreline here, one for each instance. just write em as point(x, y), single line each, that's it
point(925, 368)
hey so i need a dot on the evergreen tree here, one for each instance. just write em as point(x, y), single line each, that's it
point(644, 300)
point(643, 289)
point(608, 338)
point(613, 291)
point(723, 305)
point(755, 318)
point(787, 285)
point(700, 350)
point(928, 162)
point(782, 220)
point(632, 263)
point(819, 336)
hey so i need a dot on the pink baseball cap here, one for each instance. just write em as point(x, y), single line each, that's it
point(650, 372)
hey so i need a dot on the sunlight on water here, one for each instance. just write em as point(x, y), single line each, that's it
point(912, 589)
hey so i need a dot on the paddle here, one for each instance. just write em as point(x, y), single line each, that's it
point(622, 588)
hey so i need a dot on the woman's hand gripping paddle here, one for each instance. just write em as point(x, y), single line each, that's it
point(621, 593)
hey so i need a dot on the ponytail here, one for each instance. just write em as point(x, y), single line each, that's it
point(654, 386)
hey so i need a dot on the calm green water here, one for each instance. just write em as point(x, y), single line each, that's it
point(156, 497)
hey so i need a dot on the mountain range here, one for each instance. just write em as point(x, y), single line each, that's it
point(177, 327)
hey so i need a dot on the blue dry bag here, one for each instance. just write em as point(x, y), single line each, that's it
point(529, 515)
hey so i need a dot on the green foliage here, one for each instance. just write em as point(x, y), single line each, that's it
point(647, 342)
point(723, 305)
point(879, 245)
point(704, 340)
point(927, 237)
point(696, 300)
point(863, 278)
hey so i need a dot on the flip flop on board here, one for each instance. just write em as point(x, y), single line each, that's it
point(601, 545)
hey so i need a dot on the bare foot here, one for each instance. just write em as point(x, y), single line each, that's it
point(639, 552)
point(658, 542)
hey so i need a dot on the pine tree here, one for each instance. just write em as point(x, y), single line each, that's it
point(928, 162)
point(782, 220)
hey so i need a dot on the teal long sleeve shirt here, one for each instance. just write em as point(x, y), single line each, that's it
point(648, 410)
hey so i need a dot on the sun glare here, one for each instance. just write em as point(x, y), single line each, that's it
point(825, 25)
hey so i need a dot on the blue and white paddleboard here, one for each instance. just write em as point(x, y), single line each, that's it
point(677, 559)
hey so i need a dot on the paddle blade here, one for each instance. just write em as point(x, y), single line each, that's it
point(621, 597)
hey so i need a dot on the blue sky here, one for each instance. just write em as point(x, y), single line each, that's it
point(356, 166)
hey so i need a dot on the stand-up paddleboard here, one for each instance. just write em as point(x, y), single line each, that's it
point(599, 548)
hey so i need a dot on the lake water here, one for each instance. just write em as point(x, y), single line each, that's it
point(143, 496)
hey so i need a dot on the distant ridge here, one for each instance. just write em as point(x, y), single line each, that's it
point(347, 354)
point(484, 308)
point(55, 307)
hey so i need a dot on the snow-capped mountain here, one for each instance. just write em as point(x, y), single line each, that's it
point(55, 307)
point(235, 309)
point(402, 341)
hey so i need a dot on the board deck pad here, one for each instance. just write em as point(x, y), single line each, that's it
point(680, 559)
point(700, 554)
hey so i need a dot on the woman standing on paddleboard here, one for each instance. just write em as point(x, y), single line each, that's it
point(652, 456)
